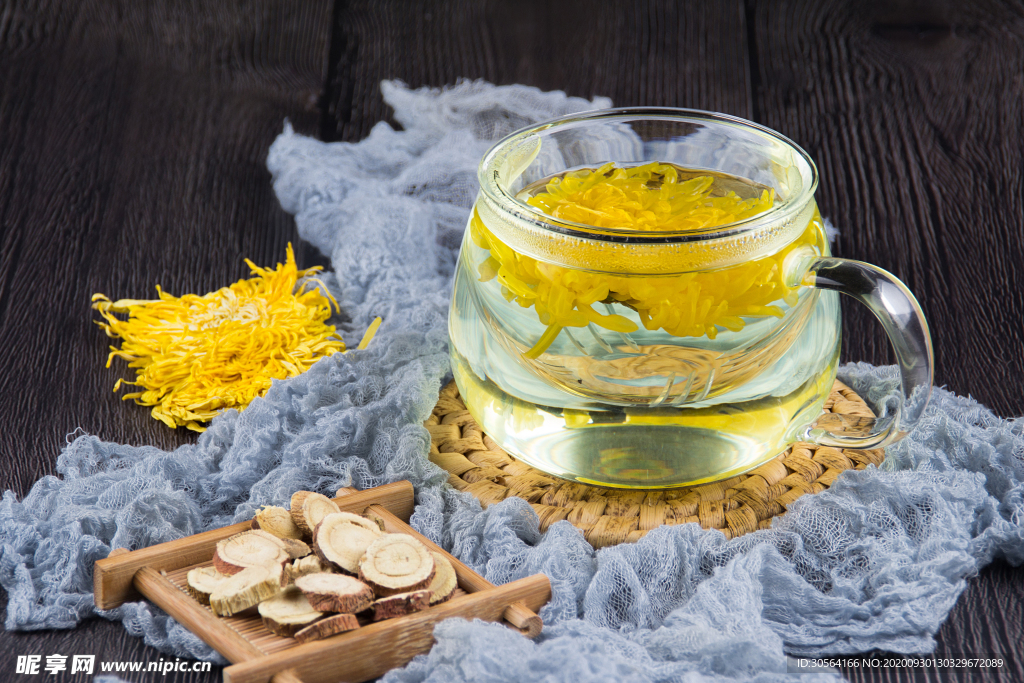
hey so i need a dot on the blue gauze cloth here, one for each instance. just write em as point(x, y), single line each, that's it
point(877, 561)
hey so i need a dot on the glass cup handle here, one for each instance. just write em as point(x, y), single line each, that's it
point(901, 316)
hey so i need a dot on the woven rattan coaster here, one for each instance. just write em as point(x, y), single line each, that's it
point(736, 506)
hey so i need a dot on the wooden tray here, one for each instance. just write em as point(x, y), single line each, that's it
point(259, 656)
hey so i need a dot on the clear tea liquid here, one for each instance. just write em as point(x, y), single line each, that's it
point(642, 381)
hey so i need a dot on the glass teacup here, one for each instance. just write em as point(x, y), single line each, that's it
point(648, 359)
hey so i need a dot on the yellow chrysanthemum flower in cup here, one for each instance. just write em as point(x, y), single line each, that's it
point(650, 198)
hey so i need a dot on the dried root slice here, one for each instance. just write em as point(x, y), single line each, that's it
point(311, 564)
point(400, 605)
point(295, 548)
point(342, 538)
point(248, 587)
point(396, 563)
point(309, 508)
point(249, 549)
point(335, 592)
point(203, 581)
point(277, 521)
point(288, 612)
point(338, 623)
point(298, 498)
point(443, 585)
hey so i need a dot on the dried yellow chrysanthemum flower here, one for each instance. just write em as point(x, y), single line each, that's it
point(198, 355)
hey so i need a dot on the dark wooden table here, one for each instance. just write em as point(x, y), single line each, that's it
point(133, 140)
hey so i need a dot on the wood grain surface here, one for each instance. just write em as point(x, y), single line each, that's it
point(133, 140)
point(915, 115)
point(133, 143)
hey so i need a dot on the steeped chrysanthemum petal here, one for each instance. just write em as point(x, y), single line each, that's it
point(653, 197)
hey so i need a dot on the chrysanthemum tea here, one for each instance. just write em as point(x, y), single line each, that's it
point(643, 323)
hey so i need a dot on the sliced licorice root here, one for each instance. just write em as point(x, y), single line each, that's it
point(396, 563)
point(245, 589)
point(201, 582)
point(288, 612)
point(311, 564)
point(443, 585)
point(252, 567)
point(400, 604)
point(277, 521)
point(295, 548)
point(335, 592)
point(342, 538)
point(329, 626)
point(309, 508)
point(249, 549)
